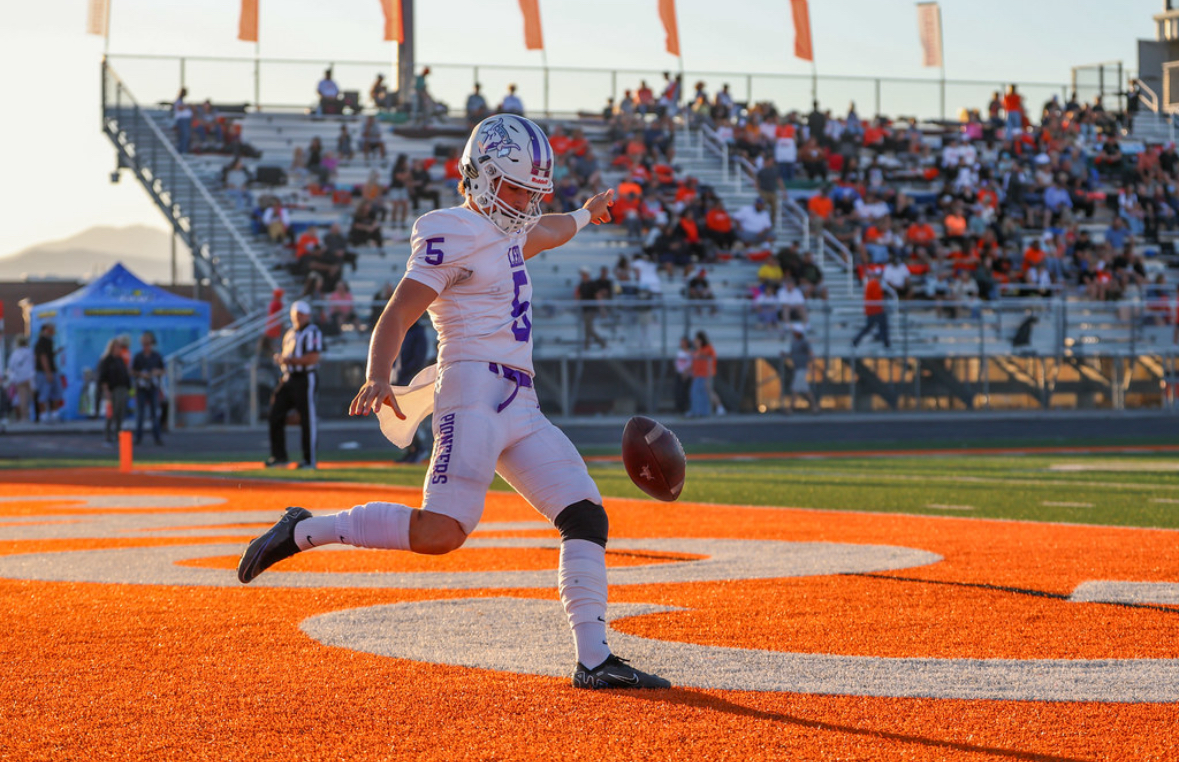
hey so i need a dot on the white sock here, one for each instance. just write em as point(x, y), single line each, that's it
point(581, 580)
point(372, 525)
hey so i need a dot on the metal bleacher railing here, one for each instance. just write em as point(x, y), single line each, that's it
point(222, 257)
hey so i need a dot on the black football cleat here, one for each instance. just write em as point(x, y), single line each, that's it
point(615, 673)
point(272, 546)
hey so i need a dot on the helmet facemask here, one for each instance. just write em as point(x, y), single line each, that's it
point(508, 149)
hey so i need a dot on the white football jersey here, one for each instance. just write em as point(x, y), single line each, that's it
point(484, 307)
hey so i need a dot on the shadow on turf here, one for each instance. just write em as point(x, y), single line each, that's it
point(693, 699)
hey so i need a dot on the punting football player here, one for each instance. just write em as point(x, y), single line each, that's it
point(467, 268)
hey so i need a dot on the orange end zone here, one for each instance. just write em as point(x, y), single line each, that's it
point(176, 671)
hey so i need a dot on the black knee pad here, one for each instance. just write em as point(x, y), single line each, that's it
point(583, 521)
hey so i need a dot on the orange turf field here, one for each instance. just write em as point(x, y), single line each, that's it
point(103, 670)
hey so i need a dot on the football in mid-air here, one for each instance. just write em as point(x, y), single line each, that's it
point(654, 458)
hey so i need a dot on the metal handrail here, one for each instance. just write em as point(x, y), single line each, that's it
point(174, 155)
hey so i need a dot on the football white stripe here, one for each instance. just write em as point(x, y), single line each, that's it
point(655, 433)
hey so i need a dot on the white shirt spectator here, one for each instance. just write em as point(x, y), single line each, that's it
point(20, 365)
point(874, 211)
point(328, 88)
point(283, 214)
point(790, 295)
point(785, 150)
point(896, 275)
point(753, 221)
point(648, 276)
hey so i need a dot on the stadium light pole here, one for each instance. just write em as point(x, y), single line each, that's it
point(405, 54)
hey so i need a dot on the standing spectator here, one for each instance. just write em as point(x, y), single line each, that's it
point(801, 356)
point(423, 103)
point(683, 374)
point(769, 183)
point(268, 341)
point(329, 94)
point(1013, 107)
point(114, 382)
point(410, 360)
point(148, 368)
point(511, 103)
point(874, 311)
point(590, 293)
point(703, 395)
point(400, 181)
point(301, 348)
point(785, 151)
point(237, 183)
point(21, 375)
point(48, 384)
point(182, 119)
point(476, 106)
point(896, 277)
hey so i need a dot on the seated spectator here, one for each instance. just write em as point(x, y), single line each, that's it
point(626, 277)
point(896, 277)
point(770, 272)
point(699, 288)
point(298, 169)
point(766, 307)
point(963, 295)
point(277, 222)
point(921, 238)
point(336, 243)
point(344, 144)
point(810, 277)
point(591, 295)
point(380, 299)
point(421, 187)
point(340, 311)
point(793, 302)
point(754, 224)
point(1058, 203)
point(1109, 161)
point(476, 106)
point(1117, 233)
point(820, 207)
point(315, 164)
point(371, 141)
point(329, 95)
point(308, 242)
point(718, 226)
point(237, 181)
point(366, 227)
point(379, 93)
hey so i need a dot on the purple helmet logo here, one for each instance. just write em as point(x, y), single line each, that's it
point(495, 138)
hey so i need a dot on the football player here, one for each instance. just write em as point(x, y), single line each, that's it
point(468, 270)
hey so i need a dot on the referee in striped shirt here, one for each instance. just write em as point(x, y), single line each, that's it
point(301, 347)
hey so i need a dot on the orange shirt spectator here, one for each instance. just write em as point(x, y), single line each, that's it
point(955, 225)
point(1032, 257)
point(873, 297)
point(685, 193)
point(921, 234)
point(560, 143)
point(704, 362)
point(1013, 102)
point(718, 220)
point(307, 241)
point(873, 135)
point(821, 206)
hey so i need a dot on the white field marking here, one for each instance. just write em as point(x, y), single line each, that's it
point(1166, 500)
point(1146, 466)
point(722, 560)
point(1064, 504)
point(944, 507)
point(1113, 591)
point(455, 632)
point(119, 500)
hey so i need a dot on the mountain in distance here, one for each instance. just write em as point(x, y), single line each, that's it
point(143, 250)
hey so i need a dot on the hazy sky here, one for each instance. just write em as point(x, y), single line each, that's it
point(58, 163)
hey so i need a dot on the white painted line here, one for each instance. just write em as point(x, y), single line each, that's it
point(1063, 504)
point(944, 507)
point(1167, 500)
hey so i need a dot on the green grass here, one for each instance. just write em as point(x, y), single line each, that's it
point(1126, 490)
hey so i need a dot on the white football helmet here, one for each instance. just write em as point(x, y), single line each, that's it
point(508, 148)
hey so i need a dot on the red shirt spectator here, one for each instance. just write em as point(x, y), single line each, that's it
point(873, 297)
point(920, 234)
point(821, 206)
point(718, 220)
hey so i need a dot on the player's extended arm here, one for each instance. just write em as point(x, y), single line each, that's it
point(406, 305)
point(553, 230)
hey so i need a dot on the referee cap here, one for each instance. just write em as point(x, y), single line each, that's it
point(301, 307)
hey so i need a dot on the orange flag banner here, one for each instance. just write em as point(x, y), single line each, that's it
point(802, 31)
point(96, 17)
point(394, 28)
point(533, 37)
point(247, 27)
point(667, 15)
point(929, 27)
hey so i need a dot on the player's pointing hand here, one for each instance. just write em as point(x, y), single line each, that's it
point(599, 206)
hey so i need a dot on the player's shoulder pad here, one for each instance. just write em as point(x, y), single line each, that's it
point(452, 225)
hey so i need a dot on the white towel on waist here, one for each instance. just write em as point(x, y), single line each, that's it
point(416, 402)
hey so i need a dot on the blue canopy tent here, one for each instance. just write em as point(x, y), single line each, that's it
point(117, 302)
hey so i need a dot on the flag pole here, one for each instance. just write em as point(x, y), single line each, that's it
point(941, 49)
point(544, 61)
point(106, 32)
